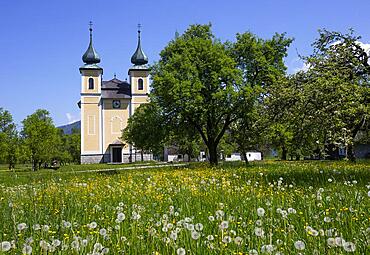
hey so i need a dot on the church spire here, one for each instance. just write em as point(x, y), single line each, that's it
point(91, 56)
point(139, 58)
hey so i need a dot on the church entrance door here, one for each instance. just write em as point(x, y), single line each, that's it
point(117, 155)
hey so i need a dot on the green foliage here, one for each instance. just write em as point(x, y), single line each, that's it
point(196, 82)
point(41, 137)
point(9, 140)
point(145, 129)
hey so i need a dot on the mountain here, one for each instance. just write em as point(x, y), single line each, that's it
point(67, 129)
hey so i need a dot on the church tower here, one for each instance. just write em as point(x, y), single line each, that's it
point(139, 76)
point(91, 108)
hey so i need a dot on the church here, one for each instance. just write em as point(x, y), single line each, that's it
point(107, 105)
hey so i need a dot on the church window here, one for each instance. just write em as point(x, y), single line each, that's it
point(140, 85)
point(91, 83)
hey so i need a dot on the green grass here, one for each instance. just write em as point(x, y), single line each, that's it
point(309, 202)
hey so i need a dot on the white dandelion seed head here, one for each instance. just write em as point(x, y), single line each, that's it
point(259, 232)
point(238, 240)
point(210, 238)
point(103, 232)
point(253, 252)
point(173, 235)
point(105, 250)
point(299, 245)
point(27, 249)
point(368, 193)
point(55, 243)
point(121, 216)
point(260, 212)
point(224, 224)
point(292, 211)
point(21, 226)
point(5, 246)
point(36, 227)
point(195, 235)
point(180, 251)
point(259, 223)
point(211, 218)
point(327, 219)
point(226, 239)
point(349, 246)
point(331, 242)
point(268, 248)
point(339, 241)
point(198, 227)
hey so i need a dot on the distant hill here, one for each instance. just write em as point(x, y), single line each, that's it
point(67, 129)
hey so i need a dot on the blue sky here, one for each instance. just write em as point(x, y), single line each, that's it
point(41, 42)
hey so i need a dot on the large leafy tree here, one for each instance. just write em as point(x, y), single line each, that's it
point(340, 70)
point(41, 137)
point(9, 141)
point(145, 129)
point(196, 82)
point(327, 105)
point(262, 64)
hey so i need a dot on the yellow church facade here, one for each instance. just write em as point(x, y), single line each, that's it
point(107, 105)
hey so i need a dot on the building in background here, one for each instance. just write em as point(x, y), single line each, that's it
point(107, 105)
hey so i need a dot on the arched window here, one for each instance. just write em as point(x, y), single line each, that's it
point(140, 84)
point(91, 83)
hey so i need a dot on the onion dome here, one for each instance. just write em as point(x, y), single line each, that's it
point(139, 58)
point(91, 56)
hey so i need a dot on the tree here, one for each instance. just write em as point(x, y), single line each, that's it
point(341, 66)
point(327, 105)
point(262, 64)
point(40, 137)
point(145, 129)
point(9, 142)
point(196, 82)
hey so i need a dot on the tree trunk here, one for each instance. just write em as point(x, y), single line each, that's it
point(245, 157)
point(142, 155)
point(284, 153)
point(350, 153)
point(213, 159)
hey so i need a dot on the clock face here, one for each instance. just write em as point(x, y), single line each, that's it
point(116, 104)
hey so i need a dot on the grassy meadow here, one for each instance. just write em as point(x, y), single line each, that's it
point(266, 208)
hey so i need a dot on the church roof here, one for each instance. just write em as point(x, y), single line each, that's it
point(139, 58)
point(91, 56)
point(115, 88)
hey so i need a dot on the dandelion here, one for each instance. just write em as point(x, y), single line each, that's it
point(226, 239)
point(21, 226)
point(211, 218)
point(292, 211)
point(195, 235)
point(55, 243)
point(331, 242)
point(92, 225)
point(36, 227)
point(368, 193)
point(339, 241)
point(27, 249)
point(260, 212)
point(173, 235)
point(238, 240)
point(180, 251)
point(327, 219)
point(199, 226)
point(299, 245)
point(210, 238)
point(45, 228)
point(224, 225)
point(330, 180)
point(259, 232)
point(121, 217)
point(5, 246)
point(349, 246)
point(75, 245)
point(269, 248)
point(253, 252)
point(259, 222)
point(103, 232)
point(105, 251)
